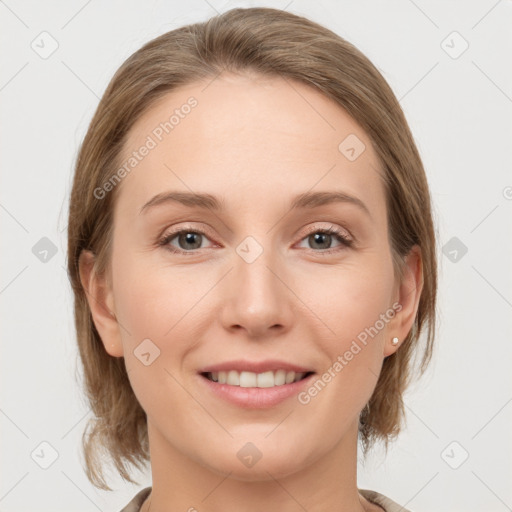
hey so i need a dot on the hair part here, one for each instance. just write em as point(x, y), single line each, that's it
point(273, 43)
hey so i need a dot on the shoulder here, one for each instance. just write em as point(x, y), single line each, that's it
point(383, 501)
point(372, 496)
point(137, 501)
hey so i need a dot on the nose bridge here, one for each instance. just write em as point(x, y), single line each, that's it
point(257, 285)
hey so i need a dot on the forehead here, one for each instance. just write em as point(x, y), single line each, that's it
point(244, 137)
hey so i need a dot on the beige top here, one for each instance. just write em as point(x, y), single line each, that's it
point(372, 496)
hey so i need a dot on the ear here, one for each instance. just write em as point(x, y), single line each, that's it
point(101, 303)
point(408, 296)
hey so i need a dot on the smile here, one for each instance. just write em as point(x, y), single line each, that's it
point(251, 390)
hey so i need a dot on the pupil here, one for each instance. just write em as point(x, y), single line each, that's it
point(189, 239)
point(319, 236)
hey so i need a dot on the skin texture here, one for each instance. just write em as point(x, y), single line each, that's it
point(256, 143)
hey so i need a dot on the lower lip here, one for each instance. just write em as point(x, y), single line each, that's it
point(256, 398)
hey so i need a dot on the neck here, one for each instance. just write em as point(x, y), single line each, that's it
point(327, 484)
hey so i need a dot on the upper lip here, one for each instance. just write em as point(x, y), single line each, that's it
point(241, 365)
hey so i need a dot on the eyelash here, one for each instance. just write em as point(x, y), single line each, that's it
point(345, 241)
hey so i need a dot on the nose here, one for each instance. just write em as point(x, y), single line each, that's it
point(258, 298)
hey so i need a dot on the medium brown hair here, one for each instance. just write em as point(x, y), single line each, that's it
point(273, 43)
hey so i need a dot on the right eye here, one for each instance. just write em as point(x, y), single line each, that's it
point(192, 237)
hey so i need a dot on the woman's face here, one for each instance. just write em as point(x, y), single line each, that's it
point(257, 285)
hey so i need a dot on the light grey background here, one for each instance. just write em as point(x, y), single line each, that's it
point(459, 110)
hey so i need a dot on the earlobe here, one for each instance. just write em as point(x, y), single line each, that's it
point(101, 303)
point(409, 293)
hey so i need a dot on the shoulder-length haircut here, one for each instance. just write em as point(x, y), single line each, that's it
point(273, 43)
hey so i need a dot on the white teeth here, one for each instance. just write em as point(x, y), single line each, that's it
point(233, 378)
point(266, 380)
point(248, 380)
point(279, 377)
point(255, 380)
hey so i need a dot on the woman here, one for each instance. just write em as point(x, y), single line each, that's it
point(252, 254)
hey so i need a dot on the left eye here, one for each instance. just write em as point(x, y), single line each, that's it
point(193, 239)
point(325, 236)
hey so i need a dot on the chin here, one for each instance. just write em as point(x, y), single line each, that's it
point(274, 465)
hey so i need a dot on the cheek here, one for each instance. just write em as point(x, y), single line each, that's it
point(357, 310)
point(353, 310)
point(152, 303)
point(352, 299)
point(162, 304)
point(150, 299)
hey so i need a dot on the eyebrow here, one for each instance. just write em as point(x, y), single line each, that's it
point(307, 200)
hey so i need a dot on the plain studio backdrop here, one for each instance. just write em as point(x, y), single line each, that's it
point(449, 64)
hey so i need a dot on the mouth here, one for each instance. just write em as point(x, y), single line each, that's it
point(246, 379)
point(251, 384)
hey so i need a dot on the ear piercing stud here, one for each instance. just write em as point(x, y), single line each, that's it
point(394, 341)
